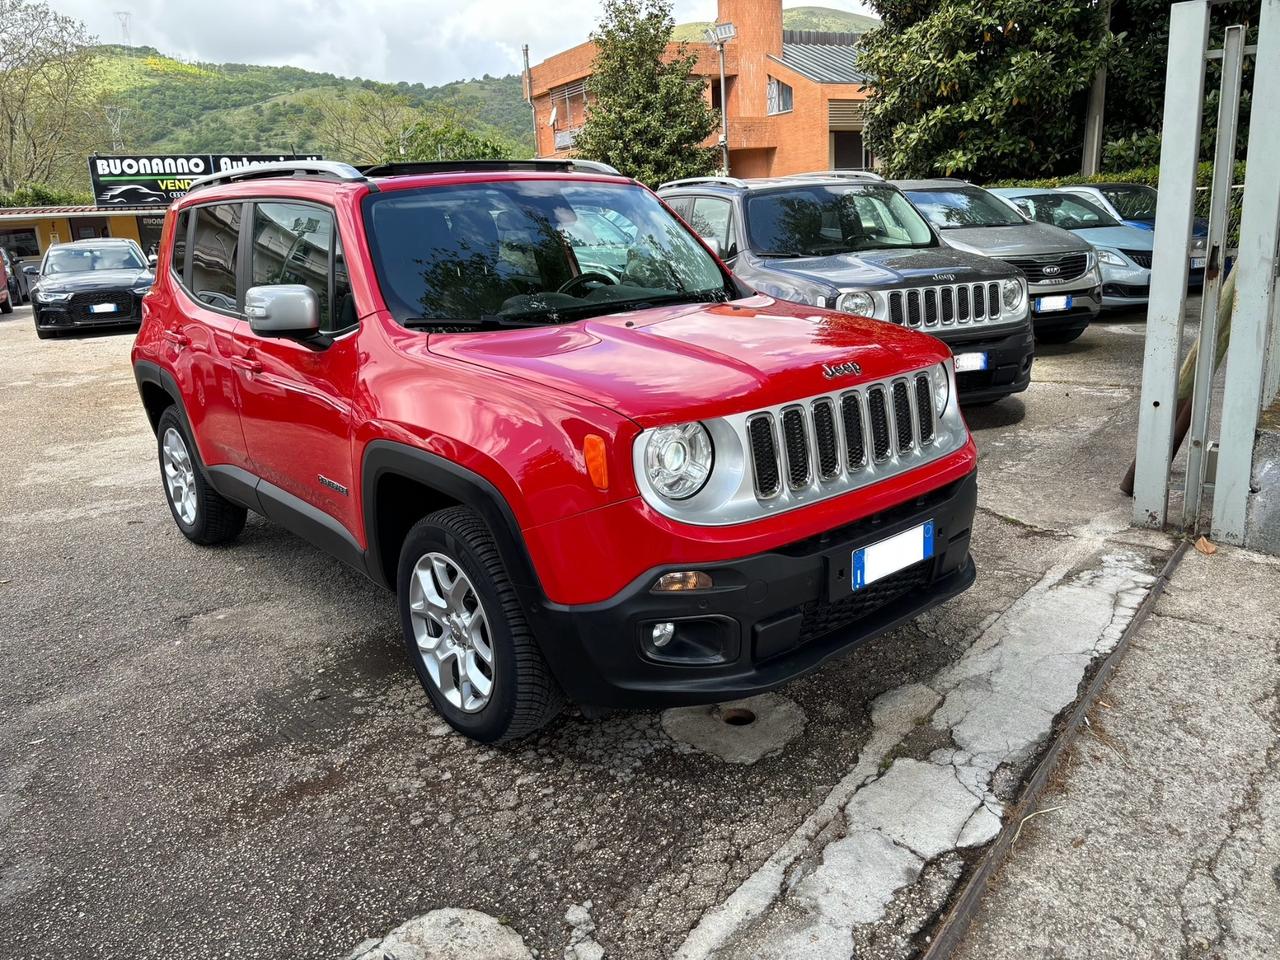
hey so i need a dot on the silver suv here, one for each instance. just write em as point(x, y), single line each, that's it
point(851, 241)
point(1062, 270)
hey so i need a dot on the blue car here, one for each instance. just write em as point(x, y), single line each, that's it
point(1124, 252)
point(1135, 205)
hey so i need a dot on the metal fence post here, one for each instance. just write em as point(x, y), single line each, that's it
point(1175, 205)
point(1255, 288)
point(1215, 246)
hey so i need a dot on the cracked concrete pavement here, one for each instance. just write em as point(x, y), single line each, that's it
point(223, 752)
point(1164, 835)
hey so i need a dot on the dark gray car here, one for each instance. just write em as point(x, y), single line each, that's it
point(853, 242)
point(1061, 269)
point(90, 283)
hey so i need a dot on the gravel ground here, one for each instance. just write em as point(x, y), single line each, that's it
point(223, 752)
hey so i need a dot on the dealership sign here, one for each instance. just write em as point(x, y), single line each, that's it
point(139, 181)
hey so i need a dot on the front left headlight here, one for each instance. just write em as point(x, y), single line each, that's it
point(142, 289)
point(1013, 294)
point(678, 460)
point(856, 301)
point(1110, 257)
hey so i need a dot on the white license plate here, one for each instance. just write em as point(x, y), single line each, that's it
point(103, 308)
point(1052, 304)
point(889, 556)
point(968, 362)
point(1197, 263)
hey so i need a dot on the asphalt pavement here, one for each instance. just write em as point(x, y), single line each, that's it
point(224, 753)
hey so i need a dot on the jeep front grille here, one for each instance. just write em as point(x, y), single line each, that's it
point(952, 305)
point(893, 419)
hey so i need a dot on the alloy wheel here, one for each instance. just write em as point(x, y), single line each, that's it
point(179, 476)
point(452, 632)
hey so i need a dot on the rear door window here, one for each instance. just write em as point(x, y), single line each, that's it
point(215, 255)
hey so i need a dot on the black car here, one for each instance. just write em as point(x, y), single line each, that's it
point(850, 241)
point(90, 283)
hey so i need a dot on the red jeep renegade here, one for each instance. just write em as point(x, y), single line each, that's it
point(528, 399)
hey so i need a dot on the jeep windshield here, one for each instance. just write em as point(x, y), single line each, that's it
point(532, 252)
point(823, 220)
point(954, 207)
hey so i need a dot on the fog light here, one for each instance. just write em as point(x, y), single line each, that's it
point(681, 580)
point(662, 634)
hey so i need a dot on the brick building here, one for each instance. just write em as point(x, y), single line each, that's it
point(795, 98)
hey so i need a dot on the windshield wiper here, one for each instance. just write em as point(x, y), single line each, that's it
point(488, 320)
point(780, 255)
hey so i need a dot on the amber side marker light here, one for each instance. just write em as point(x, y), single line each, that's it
point(597, 465)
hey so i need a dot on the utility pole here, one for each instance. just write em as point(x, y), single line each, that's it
point(115, 121)
point(528, 98)
point(123, 16)
point(1091, 159)
point(719, 34)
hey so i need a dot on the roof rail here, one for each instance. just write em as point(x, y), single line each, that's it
point(842, 174)
point(408, 168)
point(687, 181)
point(329, 169)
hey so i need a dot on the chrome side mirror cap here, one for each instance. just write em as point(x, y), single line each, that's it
point(714, 244)
point(283, 310)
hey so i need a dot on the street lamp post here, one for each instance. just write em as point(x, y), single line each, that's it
point(719, 34)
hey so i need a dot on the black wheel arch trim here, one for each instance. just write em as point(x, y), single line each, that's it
point(387, 457)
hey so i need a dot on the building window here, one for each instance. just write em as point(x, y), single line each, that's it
point(779, 97)
point(568, 111)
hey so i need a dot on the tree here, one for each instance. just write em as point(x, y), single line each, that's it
point(49, 117)
point(441, 134)
point(647, 116)
point(985, 89)
point(357, 126)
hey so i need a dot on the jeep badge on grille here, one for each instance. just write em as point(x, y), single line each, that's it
point(843, 369)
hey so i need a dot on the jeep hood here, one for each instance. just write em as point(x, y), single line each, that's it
point(696, 361)
point(889, 268)
point(1019, 240)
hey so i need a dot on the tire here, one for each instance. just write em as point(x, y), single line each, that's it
point(7, 306)
point(202, 514)
point(1060, 336)
point(446, 631)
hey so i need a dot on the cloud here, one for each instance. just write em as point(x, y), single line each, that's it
point(417, 41)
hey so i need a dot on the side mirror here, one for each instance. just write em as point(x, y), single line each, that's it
point(283, 310)
point(715, 245)
point(152, 260)
point(1025, 208)
point(31, 269)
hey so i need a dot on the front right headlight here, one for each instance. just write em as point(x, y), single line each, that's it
point(678, 460)
point(52, 297)
point(858, 302)
point(1013, 294)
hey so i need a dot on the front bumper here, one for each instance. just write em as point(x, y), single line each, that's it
point(1127, 286)
point(1086, 303)
point(773, 616)
point(1009, 358)
point(77, 313)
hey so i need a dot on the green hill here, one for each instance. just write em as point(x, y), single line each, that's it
point(796, 18)
point(180, 107)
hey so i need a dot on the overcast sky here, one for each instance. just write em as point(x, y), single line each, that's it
point(427, 41)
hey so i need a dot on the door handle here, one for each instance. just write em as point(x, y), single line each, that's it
point(248, 364)
point(176, 338)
